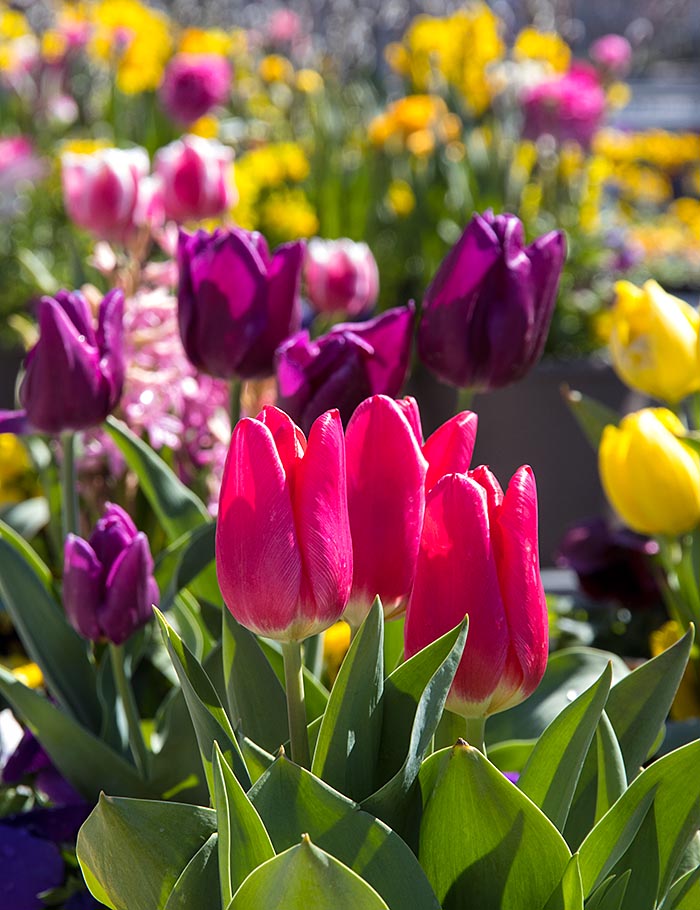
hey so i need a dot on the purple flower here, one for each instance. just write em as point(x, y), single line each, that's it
point(236, 302)
point(108, 584)
point(613, 53)
point(195, 177)
point(339, 370)
point(570, 107)
point(193, 84)
point(29, 867)
point(487, 312)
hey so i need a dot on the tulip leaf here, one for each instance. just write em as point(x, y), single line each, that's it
point(291, 802)
point(511, 756)
point(482, 843)
point(83, 759)
point(255, 696)
point(685, 893)
point(552, 771)
point(669, 793)
point(176, 768)
point(568, 895)
point(591, 416)
point(208, 716)
point(48, 637)
point(346, 748)
point(244, 844)
point(610, 894)
point(198, 885)
point(303, 877)
point(17, 541)
point(316, 694)
point(133, 852)
point(612, 780)
point(257, 760)
point(177, 507)
point(189, 562)
point(393, 643)
point(27, 517)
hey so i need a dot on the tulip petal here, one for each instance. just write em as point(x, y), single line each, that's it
point(494, 494)
point(390, 336)
point(78, 311)
point(257, 555)
point(547, 255)
point(110, 340)
point(112, 534)
point(450, 448)
point(128, 590)
point(411, 412)
point(289, 439)
point(82, 587)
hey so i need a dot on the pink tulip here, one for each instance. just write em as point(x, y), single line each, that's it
point(450, 448)
point(341, 276)
point(283, 545)
point(101, 190)
point(386, 499)
point(478, 556)
point(570, 107)
point(612, 53)
point(194, 176)
point(193, 84)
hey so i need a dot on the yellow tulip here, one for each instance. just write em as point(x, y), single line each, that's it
point(654, 341)
point(650, 476)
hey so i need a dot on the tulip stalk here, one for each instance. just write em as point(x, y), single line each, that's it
point(475, 733)
point(235, 391)
point(296, 710)
point(69, 486)
point(125, 691)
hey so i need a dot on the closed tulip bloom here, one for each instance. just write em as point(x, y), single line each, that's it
point(108, 585)
point(196, 179)
point(283, 545)
point(613, 53)
point(236, 302)
point(193, 84)
point(341, 276)
point(74, 375)
point(386, 499)
point(654, 341)
point(340, 369)
point(486, 314)
point(650, 476)
point(478, 556)
point(450, 448)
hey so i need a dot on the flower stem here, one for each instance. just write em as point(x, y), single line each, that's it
point(475, 733)
point(296, 711)
point(235, 401)
point(465, 399)
point(69, 487)
point(133, 721)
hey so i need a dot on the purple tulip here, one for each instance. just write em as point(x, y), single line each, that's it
point(108, 584)
point(487, 312)
point(193, 84)
point(339, 370)
point(236, 302)
point(30, 866)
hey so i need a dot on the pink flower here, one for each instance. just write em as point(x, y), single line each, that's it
point(284, 27)
point(193, 84)
point(612, 53)
point(195, 179)
point(570, 107)
point(341, 276)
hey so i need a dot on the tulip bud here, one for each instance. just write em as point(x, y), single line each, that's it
point(487, 312)
point(342, 368)
point(478, 556)
point(193, 84)
point(108, 585)
point(74, 375)
point(450, 448)
point(386, 499)
point(341, 276)
point(613, 53)
point(195, 179)
point(654, 341)
point(101, 190)
point(236, 303)
point(283, 545)
point(650, 476)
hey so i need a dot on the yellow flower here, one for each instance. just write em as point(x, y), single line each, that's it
point(205, 41)
point(336, 642)
point(207, 127)
point(12, 24)
point(650, 476)
point(287, 214)
point(687, 701)
point(654, 341)
point(618, 95)
point(53, 45)
point(546, 47)
point(14, 467)
point(29, 674)
point(275, 68)
point(400, 199)
point(309, 82)
point(421, 143)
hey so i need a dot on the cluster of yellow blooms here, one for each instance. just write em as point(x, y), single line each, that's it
point(416, 123)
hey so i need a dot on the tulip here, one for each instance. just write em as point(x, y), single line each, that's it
point(613, 54)
point(195, 177)
point(478, 556)
point(193, 84)
point(487, 312)
point(341, 276)
point(74, 375)
point(342, 368)
point(283, 545)
point(236, 303)
point(570, 107)
point(450, 448)
point(101, 190)
point(650, 476)
point(654, 341)
point(386, 499)
point(108, 585)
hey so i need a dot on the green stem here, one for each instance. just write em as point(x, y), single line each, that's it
point(694, 411)
point(235, 401)
point(69, 487)
point(676, 598)
point(296, 711)
point(131, 712)
point(465, 399)
point(313, 654)
point(451, 728)
point(475, 733)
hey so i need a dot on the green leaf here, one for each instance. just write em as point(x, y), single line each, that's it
point(27, 517)
point(610, 894)
point(244, 844)
point(568, 894)
point(304, 877)
point(176, 767)
point(48, 638)
point(132, 852)
point(511, 756)
point(177, 507)
point(685, 893)
point(198, 885)
point(553, 770)
point(15, 539)
point(83, 759)
point(291, 802)
point(393, 643)
point(346, 749)
point(255, 696)
point(591, 416)
point(189, 562)
point(612, 780)
point(482, 842)
point(315, 693)
point(208, 716)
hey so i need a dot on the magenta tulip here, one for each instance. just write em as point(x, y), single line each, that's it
point(478, 557)
point(193, 84)
point(194, 173)
point(341, 276)
point(283, 545)
point(450, 448)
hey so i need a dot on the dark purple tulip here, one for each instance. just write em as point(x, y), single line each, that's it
point(339, 370)
point(29, 867)
point(108, 584)
point(236, 302)
point(74, 375)
point(486, 314)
